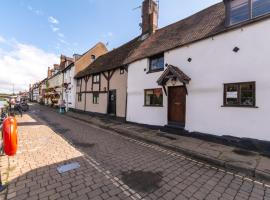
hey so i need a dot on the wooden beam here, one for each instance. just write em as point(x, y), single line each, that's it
point(106, 77)
point(164, 88)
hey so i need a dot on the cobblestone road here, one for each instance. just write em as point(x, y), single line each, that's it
point(116, 167)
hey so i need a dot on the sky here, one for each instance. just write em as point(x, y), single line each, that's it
point(34, 33)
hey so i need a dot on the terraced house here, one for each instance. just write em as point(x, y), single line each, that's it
point(207, 73)
point(102, 86)
point(81, 63)
point(54, 85)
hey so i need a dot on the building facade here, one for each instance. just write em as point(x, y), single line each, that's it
point(210, 74)
point(69, 86)
point(102, 86)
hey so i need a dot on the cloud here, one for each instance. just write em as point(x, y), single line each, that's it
point(63, 41)
point(55, 29)
point(36, 11)
point(61, 35)
point(53, 20)
point(2, 40)
point(109, 34)
point(23, 64)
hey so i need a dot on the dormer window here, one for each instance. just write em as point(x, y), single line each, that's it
point(243, 10)
point(93, 57)
point(156, 63)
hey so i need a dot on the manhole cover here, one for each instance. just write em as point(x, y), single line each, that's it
point(142, 181)
point(243, 152)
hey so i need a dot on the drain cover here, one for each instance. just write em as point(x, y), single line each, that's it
point(68, 167)
point(142, 181)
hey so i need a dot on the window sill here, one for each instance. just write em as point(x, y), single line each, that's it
point(153, 106)
point(154, 71)
point(226, 106)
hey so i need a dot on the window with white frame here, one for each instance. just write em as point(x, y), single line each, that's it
point(96, 78)
point(95, 98)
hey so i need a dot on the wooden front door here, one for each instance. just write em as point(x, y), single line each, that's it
point(112, 102)
point(177, 105)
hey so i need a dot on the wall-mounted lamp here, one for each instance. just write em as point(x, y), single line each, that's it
point(173, 81)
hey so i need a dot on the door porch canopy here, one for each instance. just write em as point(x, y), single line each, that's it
point(173, 73)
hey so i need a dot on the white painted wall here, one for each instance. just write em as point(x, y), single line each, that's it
point(213, 64)
point(69, 94)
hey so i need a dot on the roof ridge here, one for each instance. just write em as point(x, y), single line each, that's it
point(188, 17)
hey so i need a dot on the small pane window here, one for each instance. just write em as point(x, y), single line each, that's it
point(260, 7)
point(79, 97)
point(239, 11)
point(122, 70)
point(96, 78)
point(78, 82)
point(156, 63)
point(153, 97)
point(93, 57)
point(95, 98)
point(239, 94)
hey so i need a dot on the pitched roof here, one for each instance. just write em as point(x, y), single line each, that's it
point(204, 24)
point(112, 59)
point(196, 27)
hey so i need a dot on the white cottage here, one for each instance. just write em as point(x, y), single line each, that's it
point(69, 86)
point(208, 73)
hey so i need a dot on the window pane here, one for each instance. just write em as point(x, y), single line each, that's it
point(157, 63)
point(260, 7)
point(247, 94)
point(232, 94)
point(154, 97)
point(239, 11)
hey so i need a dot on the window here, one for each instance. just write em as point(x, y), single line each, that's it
point(153, 97)
point(156, 63)
point(240, 94)
point(260, 7)
point(95, 98)
point(93, 57)
point(240, 11)
point(243, 10)
point(122, 70)
point(78, 82)
point(96, 78)
point(79, 97)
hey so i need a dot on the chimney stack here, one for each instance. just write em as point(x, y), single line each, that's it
point(76, 57)
point(149, 17)
point(49, 72)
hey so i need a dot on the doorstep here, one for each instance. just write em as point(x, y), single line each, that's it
point(240, 161)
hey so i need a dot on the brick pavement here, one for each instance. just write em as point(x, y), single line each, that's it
point(32, 174)
point(113, 167)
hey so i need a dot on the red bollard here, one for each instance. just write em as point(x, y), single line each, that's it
point(10, 136)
